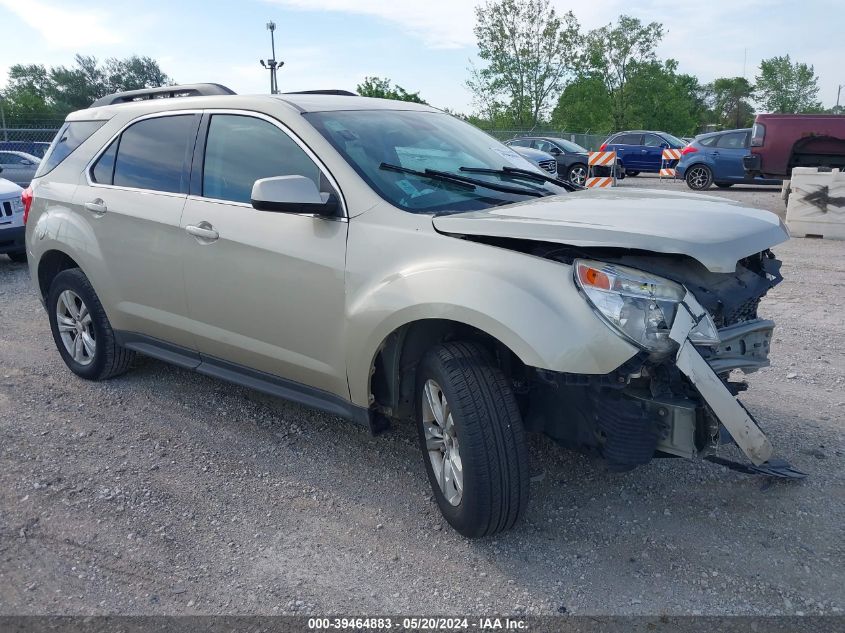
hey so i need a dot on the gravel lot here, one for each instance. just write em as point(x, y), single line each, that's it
point(167, 492)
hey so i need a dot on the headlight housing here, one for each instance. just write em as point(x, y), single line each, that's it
point(638, 305)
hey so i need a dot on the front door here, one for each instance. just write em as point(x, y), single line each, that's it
point(265, 290)
point(727, 156)
point(651, 153)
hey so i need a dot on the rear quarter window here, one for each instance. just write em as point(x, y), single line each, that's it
point(70, 136)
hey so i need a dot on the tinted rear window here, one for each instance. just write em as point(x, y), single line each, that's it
point(154, 154)
point(734, 140)
point(71, 136)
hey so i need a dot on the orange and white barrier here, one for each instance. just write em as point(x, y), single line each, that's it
point(600, 181)
point(668, 156)
point(601, 159)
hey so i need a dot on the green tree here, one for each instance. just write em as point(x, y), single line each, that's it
point(384, 89)
point(786, 87)
point(732, 102)
point(33, 90)
point(584, 106)
point(613, 51)
point(658, 98)
point(529, 53)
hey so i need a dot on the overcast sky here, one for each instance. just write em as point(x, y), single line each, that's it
point(424, 46)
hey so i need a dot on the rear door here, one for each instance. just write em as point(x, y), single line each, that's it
point(268, 291)
point(133, 200)
point(727, 156)
point(627, 148)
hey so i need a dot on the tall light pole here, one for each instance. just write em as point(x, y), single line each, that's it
point(839, 92)
point(271, 63)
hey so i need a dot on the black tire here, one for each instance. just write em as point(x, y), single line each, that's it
point(577, 174)
point(19, 258)
point(491, 438)
point(699, 177)
point(632, 173)
point(109, 358)
point(724, 185)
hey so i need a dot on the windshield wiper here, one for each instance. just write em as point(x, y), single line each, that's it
point(464, 180)
point(516, 172)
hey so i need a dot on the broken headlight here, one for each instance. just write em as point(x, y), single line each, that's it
point(638, 305)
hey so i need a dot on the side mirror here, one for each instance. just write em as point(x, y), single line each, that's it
point(555, 151)
point(292, 194)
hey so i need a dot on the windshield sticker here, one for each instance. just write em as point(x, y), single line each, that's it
point(408, 187)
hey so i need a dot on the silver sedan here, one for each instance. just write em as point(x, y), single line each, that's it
point(19, 167)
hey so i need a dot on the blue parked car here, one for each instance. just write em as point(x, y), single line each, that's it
point(641, 150)
point(716, 159)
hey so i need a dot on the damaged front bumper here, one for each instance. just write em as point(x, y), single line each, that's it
point(745, 346)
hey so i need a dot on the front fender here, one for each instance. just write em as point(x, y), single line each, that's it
point(529, 304)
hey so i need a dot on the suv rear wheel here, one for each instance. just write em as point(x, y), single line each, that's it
point(81, 329)
point(473, 442)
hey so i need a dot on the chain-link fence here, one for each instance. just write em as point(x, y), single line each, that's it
point(590, 141)
point(29, 137)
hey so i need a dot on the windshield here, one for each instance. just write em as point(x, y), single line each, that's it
point(391, 150)
point(571, 147)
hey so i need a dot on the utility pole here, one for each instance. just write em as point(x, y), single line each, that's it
point(838, 93)
point(271, 63)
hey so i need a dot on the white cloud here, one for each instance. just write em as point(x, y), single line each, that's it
point(439, 23)
point(63, 28)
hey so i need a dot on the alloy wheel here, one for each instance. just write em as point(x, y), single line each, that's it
point(698, 177)
point(76, 327)
point(441, 441)
point(578, 176)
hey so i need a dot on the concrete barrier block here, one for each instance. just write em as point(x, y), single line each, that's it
point(816, 204)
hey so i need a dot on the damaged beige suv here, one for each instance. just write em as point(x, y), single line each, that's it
point(384, 261)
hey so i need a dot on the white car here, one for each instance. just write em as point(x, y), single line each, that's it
point(11, 221)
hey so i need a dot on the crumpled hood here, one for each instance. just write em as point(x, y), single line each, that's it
point(715, 231)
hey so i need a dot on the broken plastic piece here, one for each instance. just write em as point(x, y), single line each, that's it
point(775, 467)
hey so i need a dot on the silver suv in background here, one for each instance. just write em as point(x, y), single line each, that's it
point(388, 263)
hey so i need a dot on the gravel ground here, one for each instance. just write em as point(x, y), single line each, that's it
point(168, 492)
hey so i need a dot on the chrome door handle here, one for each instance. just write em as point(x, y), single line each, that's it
point(96, 206)
point(203, 231)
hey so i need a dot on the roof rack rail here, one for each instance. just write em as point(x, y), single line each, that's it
point(163, 92)
point(339, 93)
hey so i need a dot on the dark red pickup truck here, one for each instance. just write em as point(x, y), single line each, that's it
point(780, 142)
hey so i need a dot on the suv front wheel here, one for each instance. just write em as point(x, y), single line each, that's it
point(472, 439)
point(81, 329)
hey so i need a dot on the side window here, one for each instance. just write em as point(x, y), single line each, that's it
point(521, 142)
point(652, 140)
point(103, 171)
point(154, 153)
point(543, 146)
point(71, 136)
point(242, 149)
point(627, 139)
point(734, 140)
point(710, 141)
point(10, 159)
